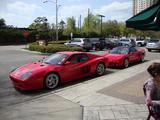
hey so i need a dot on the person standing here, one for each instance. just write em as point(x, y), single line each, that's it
point(152, 88)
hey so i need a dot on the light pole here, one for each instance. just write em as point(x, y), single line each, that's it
point(101, 18)
point(57, 6)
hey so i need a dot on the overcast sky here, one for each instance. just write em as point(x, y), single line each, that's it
point(21, 13)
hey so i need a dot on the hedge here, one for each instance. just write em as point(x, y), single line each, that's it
point(58, 42)
point(52, 48)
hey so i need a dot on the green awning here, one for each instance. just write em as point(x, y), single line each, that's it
point(148, 19)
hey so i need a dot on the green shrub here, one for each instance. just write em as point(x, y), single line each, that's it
point(39, 48)
point(56, 48)
point(52, 48)
point(76, 49)
point(58, 42)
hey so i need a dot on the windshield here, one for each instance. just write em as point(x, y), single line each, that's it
point(57, 58)
point(153, 41)
point(119, 50)
point(124, 40)
point(76, 40)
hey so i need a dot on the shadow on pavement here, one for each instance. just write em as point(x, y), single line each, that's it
point(64, 86)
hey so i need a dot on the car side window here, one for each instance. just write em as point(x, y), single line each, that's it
point(83, 58)
point(73, 59)
point(132, 49)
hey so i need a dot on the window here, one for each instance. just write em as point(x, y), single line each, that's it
point(83, 58)
point(78, 58)
point(132, 49)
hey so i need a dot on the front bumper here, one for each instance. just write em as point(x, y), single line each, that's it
point(28, 84)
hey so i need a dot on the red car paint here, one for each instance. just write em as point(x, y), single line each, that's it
point(117, 59)
point(66, 72)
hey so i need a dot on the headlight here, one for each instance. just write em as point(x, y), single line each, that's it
point(26, 75)
point(13, 70)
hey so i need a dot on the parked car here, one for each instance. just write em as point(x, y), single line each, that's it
point(98, 43)
point(110, 44)
point(127, 42)
point(80, 42)
point(56, 69)
point(140, 42)
point(123, 56)
point(153, 44)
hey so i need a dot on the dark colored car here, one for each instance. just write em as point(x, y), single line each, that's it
point(98, 43)
point(111, 44)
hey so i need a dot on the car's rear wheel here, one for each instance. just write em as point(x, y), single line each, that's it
point(139, 44)
point(51, 81)
point(142, 58)
point(126, 63)
point(100, 69)
point(149, 50)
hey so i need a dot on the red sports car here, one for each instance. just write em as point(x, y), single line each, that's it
point(58, 68)
point(123, 56)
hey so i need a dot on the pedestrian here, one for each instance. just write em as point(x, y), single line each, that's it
point(152, 89)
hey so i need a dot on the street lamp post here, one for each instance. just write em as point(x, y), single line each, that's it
point(101, 18)
point(57, 6)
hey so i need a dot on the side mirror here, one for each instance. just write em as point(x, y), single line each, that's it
point(42, 59)
point(67, 63)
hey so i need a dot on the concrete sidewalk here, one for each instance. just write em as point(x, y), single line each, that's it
point(116, 112)
point(47, 107)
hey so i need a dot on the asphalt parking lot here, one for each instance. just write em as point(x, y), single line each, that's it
point(13, 56)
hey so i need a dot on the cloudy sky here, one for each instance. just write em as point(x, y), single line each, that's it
point(21, 13)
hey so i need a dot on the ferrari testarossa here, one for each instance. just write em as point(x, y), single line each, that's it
point(124, 56)
point(56, 69)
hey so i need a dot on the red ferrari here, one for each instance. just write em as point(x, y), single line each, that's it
point(56, 69)
point(124, 56)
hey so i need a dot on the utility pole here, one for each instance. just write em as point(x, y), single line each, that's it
point(57, 7)
point(101, 18)
point(88, 21)
point(56, 21)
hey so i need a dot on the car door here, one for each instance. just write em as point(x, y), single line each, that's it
point(75, 67)
point(133, 54)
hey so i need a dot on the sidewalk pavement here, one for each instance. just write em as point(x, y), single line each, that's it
point(116, 112)
point(117, 96)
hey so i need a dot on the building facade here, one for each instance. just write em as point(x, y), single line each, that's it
point(139, 5)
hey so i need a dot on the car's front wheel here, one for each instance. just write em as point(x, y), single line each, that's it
point(100, 69)
point(126, 63)
point(51, 81)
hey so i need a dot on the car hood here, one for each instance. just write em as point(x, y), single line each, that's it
point(112, 57)
point(31, 67)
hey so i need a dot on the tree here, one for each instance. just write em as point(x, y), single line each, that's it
point(91, 25)
point(61, 25)
point(71, 26)
point(111, 28)
point(2, 23)
point(42, 26)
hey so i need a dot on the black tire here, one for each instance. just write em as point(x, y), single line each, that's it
point(100, 69)
point(142, 58)
point(51, 81)
point(149, 50)
point(126, 63)
point(87, 50)
point(139, 44)
point(94, 47)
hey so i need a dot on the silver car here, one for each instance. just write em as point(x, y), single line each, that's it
point(80, 42)
point(153, 45)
